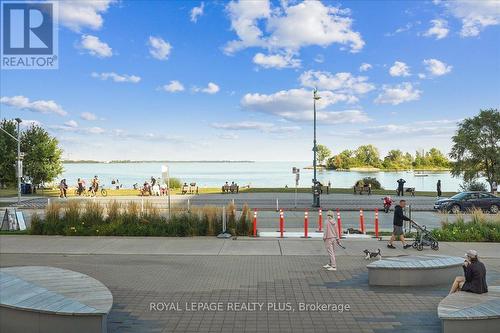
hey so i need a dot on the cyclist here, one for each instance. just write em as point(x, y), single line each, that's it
point(81, 186)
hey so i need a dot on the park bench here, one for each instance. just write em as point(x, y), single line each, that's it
point(361, 189)
point(47, 299)
point(468, 312)
point(414, 270)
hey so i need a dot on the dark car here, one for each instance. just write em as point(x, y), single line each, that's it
point(469, 200)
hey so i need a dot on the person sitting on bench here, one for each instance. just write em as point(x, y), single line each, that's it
point(474, 279)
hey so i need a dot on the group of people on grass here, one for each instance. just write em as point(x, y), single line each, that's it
point(474, 279)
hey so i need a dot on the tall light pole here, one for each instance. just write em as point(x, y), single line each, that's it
point(18, 162)
point(316, 190)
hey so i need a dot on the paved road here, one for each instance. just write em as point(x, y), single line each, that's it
point(283, 276)
point(262, 201)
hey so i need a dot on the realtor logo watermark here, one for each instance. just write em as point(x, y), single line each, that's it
point(29, 35)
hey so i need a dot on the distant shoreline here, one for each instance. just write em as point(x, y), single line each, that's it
point(129, 161)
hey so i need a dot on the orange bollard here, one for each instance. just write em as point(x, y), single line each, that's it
point(255, 223)
point(282, 223)
point(376, 222)
point(320, 220)
point(361, 221)
point(339, 223)
point(306, 224)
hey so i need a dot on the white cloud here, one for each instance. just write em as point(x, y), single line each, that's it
point(95, 130)
point(365, 67)
point(319, 58)
point(88, 116)
point(173, 86)
point(475, 15)
point(290, 27)
point(228, 136)
point(71, 123)
point(398, 94)
point(30, 122)
point(439, 29)
point(41, 106)
point(421, 76)
point(295, 105)
point(414, 129)
point(399, 69)
point(197, 12)
point(407, 27)
point(255, 125)
point(344, 83)
point(79, 14)
point(436, 67)
point(117, 77)
point(159, 48)
point(276, 60)
point(95, 47)
point(211, 89)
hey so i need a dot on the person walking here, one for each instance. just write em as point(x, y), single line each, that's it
point(63, 187)
point(401, 183)
point(474, 279)
point(494, 187)
point(399, 217)
point(438, 188)
point(331, 236)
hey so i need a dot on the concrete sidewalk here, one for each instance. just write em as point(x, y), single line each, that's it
point(243, 246)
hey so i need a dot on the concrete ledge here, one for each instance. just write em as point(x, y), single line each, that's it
point(469, 312)
point(425, 270)
point(48, 299)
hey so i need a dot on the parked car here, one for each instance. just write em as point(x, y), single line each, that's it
point(469, 200)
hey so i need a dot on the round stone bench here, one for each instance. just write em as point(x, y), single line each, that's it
point(414, 270)
point(48, 299)
point(468, 312)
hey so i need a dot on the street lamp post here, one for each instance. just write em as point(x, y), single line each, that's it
point(316, 192)
point(19, 168)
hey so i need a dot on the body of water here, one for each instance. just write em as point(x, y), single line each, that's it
point(255, 174)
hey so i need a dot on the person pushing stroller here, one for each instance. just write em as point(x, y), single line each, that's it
point(399, 217)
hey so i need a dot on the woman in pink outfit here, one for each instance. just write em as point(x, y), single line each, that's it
point(331, 236)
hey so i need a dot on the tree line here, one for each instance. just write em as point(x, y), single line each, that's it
point(369, 156)
point(42, 155)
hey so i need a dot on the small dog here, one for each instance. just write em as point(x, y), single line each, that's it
point(370, 255)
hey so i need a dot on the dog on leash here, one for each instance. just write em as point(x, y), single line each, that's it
point(370, 255)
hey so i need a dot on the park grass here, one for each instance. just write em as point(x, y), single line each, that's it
point(212, 190)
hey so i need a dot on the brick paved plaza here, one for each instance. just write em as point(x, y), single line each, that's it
point(278, 279)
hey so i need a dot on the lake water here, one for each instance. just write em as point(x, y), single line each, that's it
point(255, 174)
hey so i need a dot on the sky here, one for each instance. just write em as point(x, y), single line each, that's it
point(216, 80)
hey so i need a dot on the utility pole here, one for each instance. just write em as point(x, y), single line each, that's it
point(316, 190)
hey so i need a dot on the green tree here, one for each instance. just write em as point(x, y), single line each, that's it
point(476, 147)
point(343, 161)
point(322, 153)
point(397, 160)
point(367, 155)
point(8, 152)
point(437, 159)
point(42, 160)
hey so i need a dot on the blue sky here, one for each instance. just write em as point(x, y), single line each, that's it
point(191, 80)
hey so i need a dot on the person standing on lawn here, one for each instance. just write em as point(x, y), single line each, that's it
point(331, 236)
point(399, 217)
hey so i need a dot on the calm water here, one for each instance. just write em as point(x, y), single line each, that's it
point(256, 174)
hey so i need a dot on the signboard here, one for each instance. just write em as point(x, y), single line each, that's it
point(295, 170)
point(20, 221)
point(9, 220)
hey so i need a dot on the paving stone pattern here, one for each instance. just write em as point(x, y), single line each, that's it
point(137, 280)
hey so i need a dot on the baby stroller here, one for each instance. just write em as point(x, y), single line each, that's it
point(423, 238)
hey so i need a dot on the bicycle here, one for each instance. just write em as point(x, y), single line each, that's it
point(87, 193)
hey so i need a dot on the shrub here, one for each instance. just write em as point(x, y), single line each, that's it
point(478, 229)
point(175, 183)
point(370, 180)
point(473, 185)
